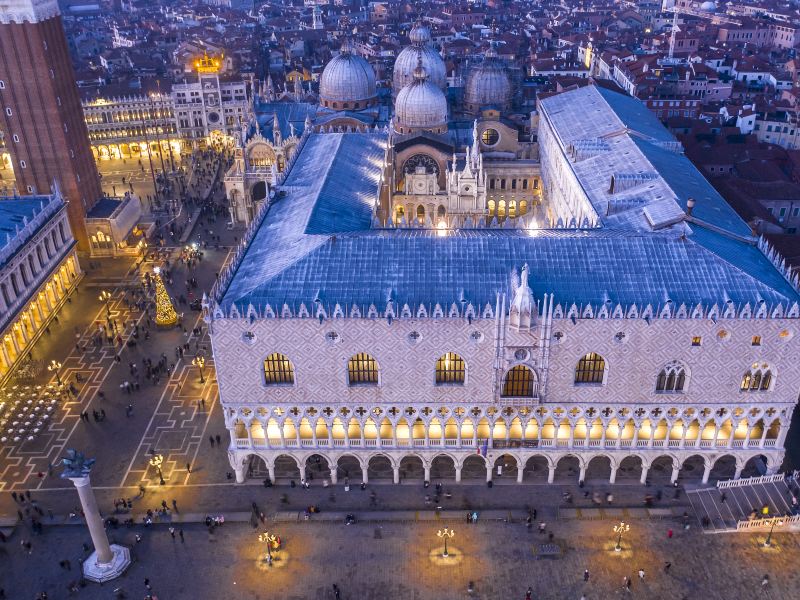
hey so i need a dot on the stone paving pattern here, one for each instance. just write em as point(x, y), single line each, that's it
point(400, 561)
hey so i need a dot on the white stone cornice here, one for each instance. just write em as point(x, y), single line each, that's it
point(28, 11)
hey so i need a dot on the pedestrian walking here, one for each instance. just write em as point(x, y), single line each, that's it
point(628, 583)
point(180, 533)
point(586, 575)
point(172, 532)
point(336, 593)
point(175, 505)
point(723, 497)
point(542, 527)
point(188, 467)
point(218, 439)
point(211, 439)
point(667, 567)
point(641, 574)
point(529, 594)
point(669, 534)
point(147, 584)
point(765, 581)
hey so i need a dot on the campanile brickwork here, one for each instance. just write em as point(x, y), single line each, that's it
point(40, 111)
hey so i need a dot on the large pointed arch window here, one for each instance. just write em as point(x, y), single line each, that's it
point(671, 379)
point(362, 369)
point(278, 370)
point(591, 370)
point(450, 369)
point(519, 382)
point(758, 378)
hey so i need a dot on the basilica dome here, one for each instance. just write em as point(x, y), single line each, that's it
point(407, 61)
point(347, 82)
point(419, 34)
point(488, 85)
point(410, 56)
point(421, 105)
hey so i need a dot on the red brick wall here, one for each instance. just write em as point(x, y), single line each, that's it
point(41, 92)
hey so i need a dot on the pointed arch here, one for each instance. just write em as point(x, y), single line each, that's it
point(278, 370)
point(590, 370)
point(519, 382)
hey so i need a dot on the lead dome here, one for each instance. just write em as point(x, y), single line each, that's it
point(420, 105)
point(488, 85)
point(410, 56)
point(347, 82)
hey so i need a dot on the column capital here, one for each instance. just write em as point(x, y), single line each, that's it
point(80, 481)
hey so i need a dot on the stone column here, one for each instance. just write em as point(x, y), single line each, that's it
point(396, 474)
point(488, 471)
point(706, 472)
point(519, 474)
point(675, 471)
point(93, 520)
point(738, 472)
point(427, 473)
point(613, 478)
point(551, 473)
point(458, 474)
point(239, 471)
point(271, 471)
point(582, 474)
point(643, 478)
point(364, 473)
point(106, 562)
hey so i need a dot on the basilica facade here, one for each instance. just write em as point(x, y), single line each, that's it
point(449, 291)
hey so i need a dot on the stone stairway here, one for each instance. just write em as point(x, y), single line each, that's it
point(733, 501)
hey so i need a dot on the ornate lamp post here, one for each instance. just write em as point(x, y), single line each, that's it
point(156, 461)
point(619, 530)
point(55, 366)
point(199, 362)
point(768, 541)
point(445, 534)
point(269, 539)
point(104, 297)
point(107, 561)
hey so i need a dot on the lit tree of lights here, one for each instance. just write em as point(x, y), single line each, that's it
point(165, 312)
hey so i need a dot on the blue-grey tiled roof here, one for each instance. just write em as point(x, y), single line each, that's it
point(317, 242)
point(14, 211)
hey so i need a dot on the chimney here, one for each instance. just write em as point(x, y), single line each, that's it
point(689, 206)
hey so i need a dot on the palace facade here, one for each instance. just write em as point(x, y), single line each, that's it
point(437, 297)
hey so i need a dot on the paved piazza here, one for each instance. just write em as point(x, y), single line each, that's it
point(400, 561)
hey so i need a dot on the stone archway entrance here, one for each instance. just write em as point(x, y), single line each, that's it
point(755, 466)
point(536, 469)
point(630, 470)
point(256, 467)
point(508, 468)
point(379, 467)
point(443, 467)
point(286, 468)
point(317, 468)
point(598, 469)
point(568, 467)
point(724, 468)
point(348, 467)
point(474, 467)
point(411, 467)
point(692, 468)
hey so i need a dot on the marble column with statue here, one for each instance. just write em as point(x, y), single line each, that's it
point(108, 561)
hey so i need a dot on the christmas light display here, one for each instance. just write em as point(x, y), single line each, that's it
point(165, 312)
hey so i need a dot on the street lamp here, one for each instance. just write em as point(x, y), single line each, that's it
point(105, 296)
point(445, 534)
point(55, 366)
point(619, 530)
point(199, 362)
point(269, 539)
point(156, 461)
point(768, 541)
